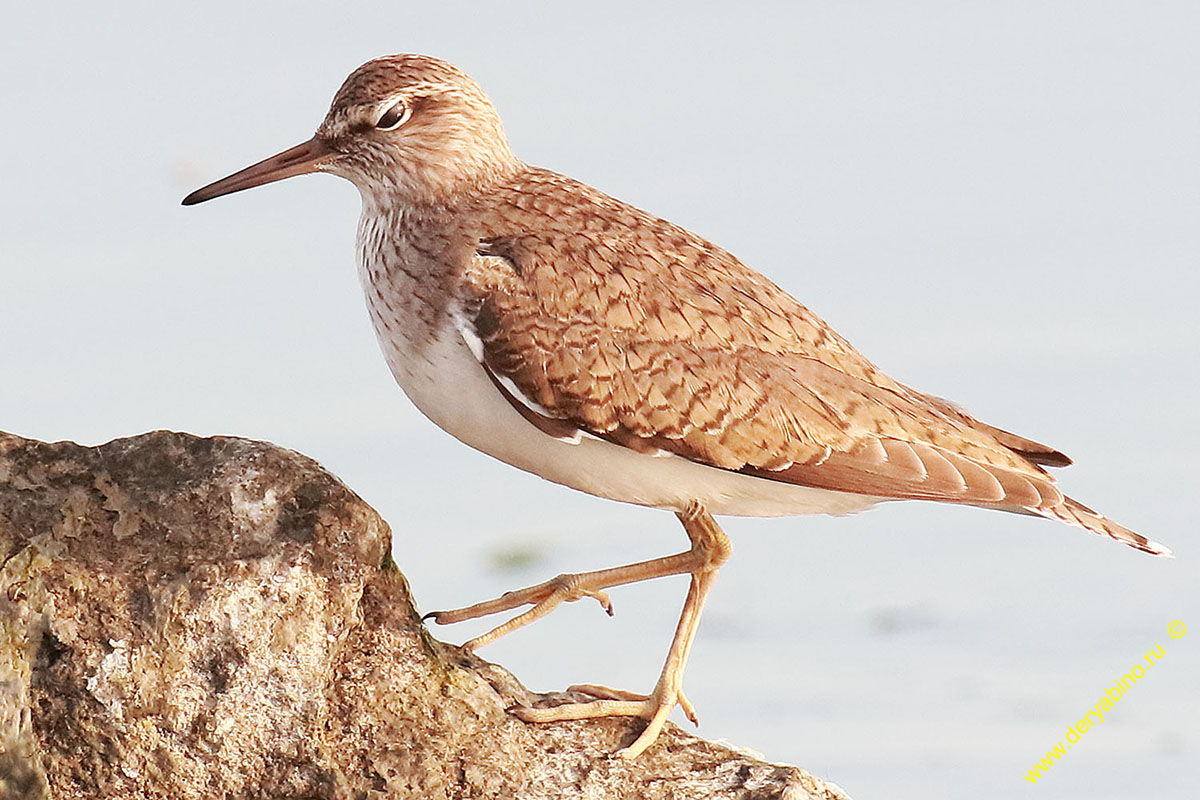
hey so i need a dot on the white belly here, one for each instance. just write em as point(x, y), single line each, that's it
point(446, 382)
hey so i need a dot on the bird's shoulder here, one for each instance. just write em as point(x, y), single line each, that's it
point(561, 248)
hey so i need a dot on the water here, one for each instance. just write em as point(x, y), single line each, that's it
point(997, 204)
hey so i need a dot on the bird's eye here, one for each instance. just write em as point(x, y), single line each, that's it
point(396, 115)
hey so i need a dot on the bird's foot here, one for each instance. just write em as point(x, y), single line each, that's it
point(548, 595)
point(544, 597)
point(608, 693)
point(618, 703)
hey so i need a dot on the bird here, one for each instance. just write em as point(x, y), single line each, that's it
point(579, 338)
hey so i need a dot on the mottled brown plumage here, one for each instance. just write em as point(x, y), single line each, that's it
point(635, 330)
point(575, 336)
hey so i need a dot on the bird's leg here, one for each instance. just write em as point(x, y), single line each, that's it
point(546, 596)
point(710, 549)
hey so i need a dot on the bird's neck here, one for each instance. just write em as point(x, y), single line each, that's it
point(410, 262)
point(420, 242)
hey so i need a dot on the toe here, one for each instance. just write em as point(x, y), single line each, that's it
point(689, 710)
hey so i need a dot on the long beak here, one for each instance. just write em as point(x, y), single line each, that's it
point(299, 160)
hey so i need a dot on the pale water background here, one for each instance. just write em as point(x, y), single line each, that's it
point(998, 202)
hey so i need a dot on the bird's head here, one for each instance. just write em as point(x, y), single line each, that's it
point(409, 127)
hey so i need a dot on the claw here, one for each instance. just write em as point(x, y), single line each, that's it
point(602, 599)
point(688, 709)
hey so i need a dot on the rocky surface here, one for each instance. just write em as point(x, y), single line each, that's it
point(219, 618)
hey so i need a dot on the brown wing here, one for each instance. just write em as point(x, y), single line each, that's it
point(678, 347)
point(593, 316)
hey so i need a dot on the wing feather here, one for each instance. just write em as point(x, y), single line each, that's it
point(637, 331)
point(596, 318)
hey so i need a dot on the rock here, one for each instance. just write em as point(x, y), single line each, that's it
point(220, 618)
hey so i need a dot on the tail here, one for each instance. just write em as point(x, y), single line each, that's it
point(1079, 515)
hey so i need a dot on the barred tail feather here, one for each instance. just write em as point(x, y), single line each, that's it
point(1079, 515)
